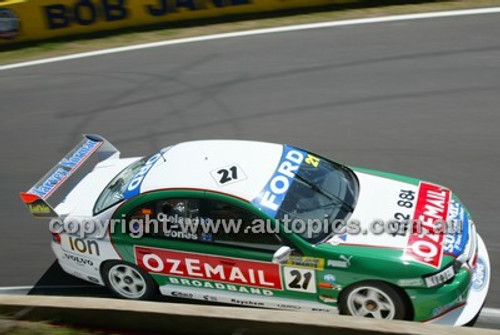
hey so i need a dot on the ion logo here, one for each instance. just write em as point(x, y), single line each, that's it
point(84, 246)
point(271, 197)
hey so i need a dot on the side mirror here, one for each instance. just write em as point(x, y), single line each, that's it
point(282, 254)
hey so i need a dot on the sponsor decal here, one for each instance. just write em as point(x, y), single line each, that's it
point(271, 197)
point(219, 286)
point(207, 267)
point(454, 244)
point(289, 306)
point(247, 302)
point(307, 262)
point(329, 278)
point(206, 237)
point(343, 262)
point(182, 295)
point(327, 299)
point(93, 280)
point(211, 298)
point(411, 282)
point(480, 275)
point(65, 168)
point(444, 308)
point(9, 24)
point(84, 246)
point(134, 185)
point(337, 239)
point(181, 235)
point(40, 208)
point(431, 210)
point(80, 261)
point(322, 310)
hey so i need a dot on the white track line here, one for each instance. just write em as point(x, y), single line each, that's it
point(15, 288)
point(258, 32)
point(491, 313)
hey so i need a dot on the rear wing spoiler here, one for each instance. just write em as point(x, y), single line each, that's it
point(36, 197)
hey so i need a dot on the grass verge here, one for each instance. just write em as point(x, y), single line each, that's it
point(8, 327)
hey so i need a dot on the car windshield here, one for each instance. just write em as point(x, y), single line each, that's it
point(115, 191)
point(324, 192)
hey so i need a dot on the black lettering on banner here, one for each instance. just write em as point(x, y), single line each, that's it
point(114, 10)
point(225, 3)
point(85, 12)
point(56, 16)
point(164, 7)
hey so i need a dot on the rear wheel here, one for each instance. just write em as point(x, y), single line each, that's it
point(128, 281)
point(373, 300)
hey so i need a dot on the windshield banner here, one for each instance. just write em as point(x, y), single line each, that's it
point(271, 197)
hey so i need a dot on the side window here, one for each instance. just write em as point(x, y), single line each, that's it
point(231, 225)
point(205, 221)
point(168, 218)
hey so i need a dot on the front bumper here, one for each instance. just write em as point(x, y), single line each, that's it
point(464, 313)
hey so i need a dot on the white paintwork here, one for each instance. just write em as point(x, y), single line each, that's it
point(377, 200)
point(191, 165)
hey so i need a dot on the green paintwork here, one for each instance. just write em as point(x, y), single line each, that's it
point(366, 263)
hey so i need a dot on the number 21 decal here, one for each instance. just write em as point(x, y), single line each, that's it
point(300, 280)
point(228, 174)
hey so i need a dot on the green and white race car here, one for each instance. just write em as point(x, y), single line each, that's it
point(263, 225)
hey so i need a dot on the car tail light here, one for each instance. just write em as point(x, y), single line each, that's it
point(56, 238)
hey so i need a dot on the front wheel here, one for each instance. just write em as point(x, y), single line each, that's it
point(373, 300)
point(128, 281)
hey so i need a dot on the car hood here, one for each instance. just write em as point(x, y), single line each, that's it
point(384, 199)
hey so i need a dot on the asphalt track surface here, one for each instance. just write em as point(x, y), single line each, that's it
point(419, 98)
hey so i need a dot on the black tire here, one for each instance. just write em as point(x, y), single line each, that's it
point(374, 299)
point(128, 281)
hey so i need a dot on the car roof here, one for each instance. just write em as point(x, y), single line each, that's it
point(197, 165)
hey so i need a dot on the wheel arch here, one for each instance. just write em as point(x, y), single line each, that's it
point(401, 292)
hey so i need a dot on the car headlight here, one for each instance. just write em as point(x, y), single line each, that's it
point(440, 277)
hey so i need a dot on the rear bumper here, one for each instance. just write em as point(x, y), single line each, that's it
point(464, 313)
point(78, 266)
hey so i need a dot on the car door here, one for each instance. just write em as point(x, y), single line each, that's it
point(218, 248)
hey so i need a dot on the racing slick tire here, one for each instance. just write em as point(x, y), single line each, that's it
point(128, 281)
point(374, 300)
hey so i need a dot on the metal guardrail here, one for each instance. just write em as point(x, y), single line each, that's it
point(177, 318)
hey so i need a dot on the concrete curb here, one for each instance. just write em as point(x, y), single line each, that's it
point(194, 319)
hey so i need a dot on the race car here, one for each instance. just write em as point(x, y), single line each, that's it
point(263, 225)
